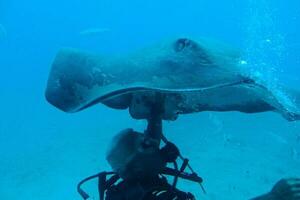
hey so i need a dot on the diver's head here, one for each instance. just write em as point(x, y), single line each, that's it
point(132, 156)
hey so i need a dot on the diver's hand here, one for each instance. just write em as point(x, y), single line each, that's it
point(286, 189)
point(169, 152)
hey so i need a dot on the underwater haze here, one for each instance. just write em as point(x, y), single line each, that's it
point(45, 152)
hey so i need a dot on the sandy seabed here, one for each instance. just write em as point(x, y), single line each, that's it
point(45, 154)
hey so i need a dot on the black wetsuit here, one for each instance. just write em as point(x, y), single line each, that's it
point(155, 189)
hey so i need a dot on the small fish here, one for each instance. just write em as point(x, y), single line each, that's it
point(243, 62)
point(93, 31)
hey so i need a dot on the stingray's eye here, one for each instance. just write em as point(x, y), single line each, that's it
point(182, 44)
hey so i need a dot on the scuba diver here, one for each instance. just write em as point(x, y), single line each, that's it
point(140, 167)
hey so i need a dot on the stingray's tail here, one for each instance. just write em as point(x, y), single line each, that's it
point(288, 104)
point(294, 96)
point(285, 103)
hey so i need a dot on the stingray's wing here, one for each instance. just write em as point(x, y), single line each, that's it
point(78, 80)
point(252, 97)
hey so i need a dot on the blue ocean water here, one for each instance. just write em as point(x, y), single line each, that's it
point(44, 152)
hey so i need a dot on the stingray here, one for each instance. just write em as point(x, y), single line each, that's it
point(189, 76)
